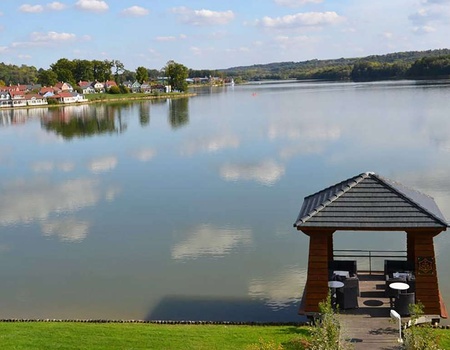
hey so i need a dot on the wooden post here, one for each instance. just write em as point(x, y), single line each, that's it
point(316, 289)
point(427, 287)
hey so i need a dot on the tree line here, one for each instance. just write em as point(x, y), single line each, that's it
point(399, 65)
point(74, 71)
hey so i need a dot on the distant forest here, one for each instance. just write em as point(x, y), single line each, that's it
point(400, 65)
point(434, 64)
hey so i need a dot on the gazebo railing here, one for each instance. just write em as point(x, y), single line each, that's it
point(370, 256)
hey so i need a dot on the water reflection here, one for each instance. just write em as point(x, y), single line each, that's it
point(266, 172)
point(144, 154)
point(209, 241)
point(178, 112)
point(102, 164)
point(37, 199)
point(67, 230)
point(144, 114)
point(210, 144)
point(280, 290)
point(82, 121)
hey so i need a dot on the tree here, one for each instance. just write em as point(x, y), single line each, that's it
point(102, 70)
point(47, 77)
point(83, 70)
point(141, 74)
point(64, 70)
point(118, 68)
point(177, 75)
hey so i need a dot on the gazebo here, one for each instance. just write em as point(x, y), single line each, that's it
point(369, 202)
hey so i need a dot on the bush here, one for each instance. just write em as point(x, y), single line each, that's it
point(420, 336)
point(114, 90)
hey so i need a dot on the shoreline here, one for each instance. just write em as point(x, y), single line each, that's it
point(103, 99)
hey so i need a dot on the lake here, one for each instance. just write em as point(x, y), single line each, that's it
point(183, 209)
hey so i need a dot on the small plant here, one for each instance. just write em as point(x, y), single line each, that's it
point(420, 337)
point(326, 335)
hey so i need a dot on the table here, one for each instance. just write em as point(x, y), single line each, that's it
point(333, 285)
point(399, 286)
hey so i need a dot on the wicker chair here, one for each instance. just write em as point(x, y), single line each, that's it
point(347, 296)
point(401, 304)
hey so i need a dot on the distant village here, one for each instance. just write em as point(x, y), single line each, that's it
point(64, 93)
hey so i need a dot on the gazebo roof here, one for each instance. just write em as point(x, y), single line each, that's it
point(369, 202)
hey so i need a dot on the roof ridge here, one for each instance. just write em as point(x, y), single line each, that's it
point(352, 182)
point(410, 200)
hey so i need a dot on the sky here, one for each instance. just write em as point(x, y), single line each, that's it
point(216, 34)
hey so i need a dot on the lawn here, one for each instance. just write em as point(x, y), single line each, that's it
point(62, 335)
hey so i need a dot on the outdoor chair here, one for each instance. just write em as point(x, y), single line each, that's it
point(401, 304)
point(388, 291)
point(347, 296)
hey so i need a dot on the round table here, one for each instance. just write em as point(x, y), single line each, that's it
point(338, 284)
point(399, 286)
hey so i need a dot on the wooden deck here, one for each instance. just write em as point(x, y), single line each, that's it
point(369, 327)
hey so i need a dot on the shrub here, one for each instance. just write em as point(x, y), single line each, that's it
point(420, 336)
point(114, 90)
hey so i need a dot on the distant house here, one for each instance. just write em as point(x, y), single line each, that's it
point(35, 100)
point(18, 98)
point(98, 86)
point(146, 88)
point(136, 87)
point(47, 91)
point(69, 97)
point(5, 99)
point(86, 87)
point(160, 88)
point(109, 84)
point(64, 87)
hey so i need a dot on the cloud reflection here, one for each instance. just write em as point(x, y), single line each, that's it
point(209, 241)
point(26, 201)
point(144, 154)
point(282, 290)
point(102, 165)
point(67, 230)
point(267, 172)
point(210, 144)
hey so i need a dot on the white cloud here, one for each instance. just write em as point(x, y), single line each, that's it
point(424, 29)
point(166, 38)
point(307, 19)
point(31, 8)
point(92, 5)
point(51, 36)
point(296, 3)
point(104, 164)
point(203, 17)
point(67, 230)
point(135, 11)
point(56, 6)
point(209, 241)
point(266, 172)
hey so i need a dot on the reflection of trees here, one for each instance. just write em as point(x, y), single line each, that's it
point(72, 123)
point(178, 112)
point(144, 114)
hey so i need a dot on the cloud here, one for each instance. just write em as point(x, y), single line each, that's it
point(307, 19)
point(92, 5)
point(296, 3)
point(203, 17)
point(56, 6)
point(67, 230)
point(166, 38)
point(266, 172)
point(208, 241)
point(283, 289)
point(135, 11)
point(42, 167)
point(45, 39)
point(104, 164)
point(26, 8)
point(26, 201)
point(424, 29)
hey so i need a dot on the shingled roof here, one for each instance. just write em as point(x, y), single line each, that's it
point(369, 201)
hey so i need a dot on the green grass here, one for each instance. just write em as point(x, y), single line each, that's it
point(62, 335)
point(444, 337)
point(131, 96)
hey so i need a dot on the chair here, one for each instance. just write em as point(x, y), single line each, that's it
point(347, 296)
point(392, 293)
point(401, 304)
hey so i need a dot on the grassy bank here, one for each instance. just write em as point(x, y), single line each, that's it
point(65, 335)
point(134, 97)
point(69, 335)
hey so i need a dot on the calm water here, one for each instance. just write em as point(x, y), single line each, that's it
point(183, 209)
